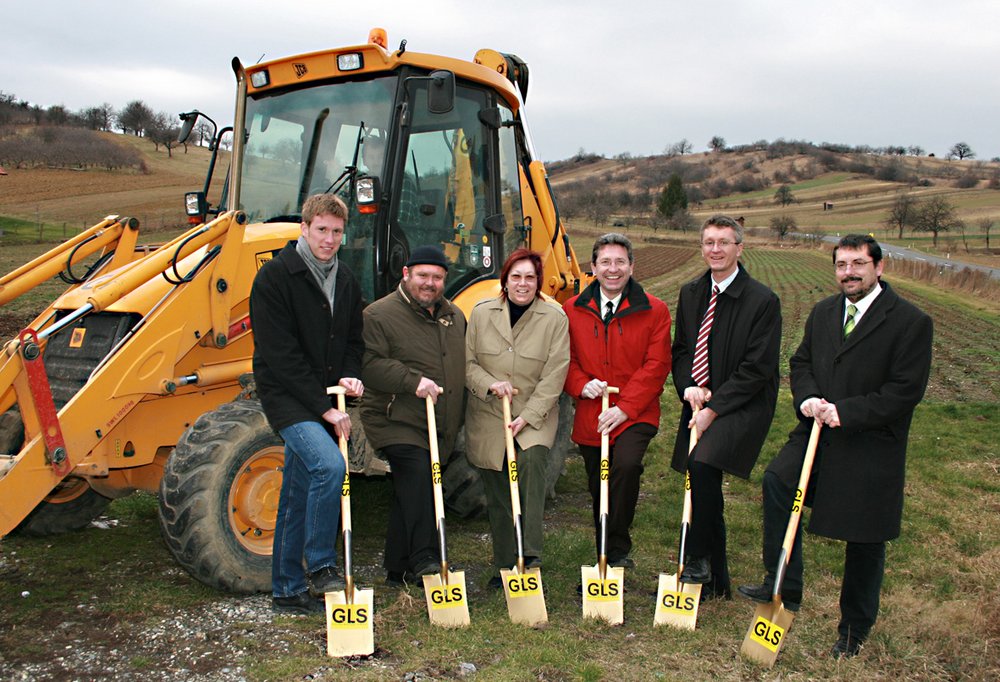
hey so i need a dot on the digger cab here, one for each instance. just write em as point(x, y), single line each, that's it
point(421, 155)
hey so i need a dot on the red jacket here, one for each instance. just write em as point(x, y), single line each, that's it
point(631, 353)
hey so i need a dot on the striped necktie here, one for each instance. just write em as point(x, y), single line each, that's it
point(699, 371)
point(609, 313)
point(852, 310)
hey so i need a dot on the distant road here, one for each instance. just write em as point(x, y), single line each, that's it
point(909, 254)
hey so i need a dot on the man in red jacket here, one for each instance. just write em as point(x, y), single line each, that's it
point(619, 336)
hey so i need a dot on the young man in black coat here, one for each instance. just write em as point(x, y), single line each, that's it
point(305, 308)
point(732, 377)
point(861, 370)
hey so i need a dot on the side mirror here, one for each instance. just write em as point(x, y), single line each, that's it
point(441, 92)
point(189, 118)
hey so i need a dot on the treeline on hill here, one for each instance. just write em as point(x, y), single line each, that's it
point(31, 135)
point(635, 185)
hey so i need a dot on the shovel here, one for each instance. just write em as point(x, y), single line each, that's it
point(604, 587)
point(350, 612)
point(447, 605)
point(522, 588)
point(771, 621)
point(677, 602)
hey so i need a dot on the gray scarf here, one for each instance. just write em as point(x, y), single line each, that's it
point(324, 273)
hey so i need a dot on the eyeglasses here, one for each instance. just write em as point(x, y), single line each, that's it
point(721, 243)
point(857, 264)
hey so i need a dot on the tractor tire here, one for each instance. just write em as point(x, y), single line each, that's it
point(219, 497)
point(562, 447)
point(11, 432)
point(461, 487)
point(71, 505)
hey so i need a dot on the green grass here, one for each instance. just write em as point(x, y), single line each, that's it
point(940, 616)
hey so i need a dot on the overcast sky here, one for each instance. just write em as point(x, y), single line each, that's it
point(608, 77)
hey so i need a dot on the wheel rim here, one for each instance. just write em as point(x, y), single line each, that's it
point(253, 500)
point(67, 491)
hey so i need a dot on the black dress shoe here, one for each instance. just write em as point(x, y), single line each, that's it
point(846, 647)
point(495, 583)
point(724, 593)
point(397, 579)
point(762, 594)
point(325, 580)
point(301, 604)
point(697, 571)
point(622, 562)
point(532, 562)
point(429, 567)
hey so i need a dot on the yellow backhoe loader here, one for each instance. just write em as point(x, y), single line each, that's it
point(138, 376)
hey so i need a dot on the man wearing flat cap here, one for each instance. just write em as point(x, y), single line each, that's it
point(414, 348)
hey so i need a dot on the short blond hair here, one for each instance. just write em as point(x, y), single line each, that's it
point(321, 204)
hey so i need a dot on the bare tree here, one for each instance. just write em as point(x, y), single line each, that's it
point(783, 224)
point(985, 225)
point(717, 144)
point(936, 215)
point(162, 131)
point(679, 148)
point(915, 150)
point(961, 150)
point(135, 117)
point(784, 195)
point(901, 214)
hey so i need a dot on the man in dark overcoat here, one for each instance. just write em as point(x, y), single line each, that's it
point(861, 370)
point(305, 308)
point(733, 381)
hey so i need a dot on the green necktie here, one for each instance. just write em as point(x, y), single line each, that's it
point(852, 310)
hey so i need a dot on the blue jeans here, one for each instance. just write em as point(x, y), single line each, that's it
point(305, 532)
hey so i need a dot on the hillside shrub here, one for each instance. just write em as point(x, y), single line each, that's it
point(65, 147)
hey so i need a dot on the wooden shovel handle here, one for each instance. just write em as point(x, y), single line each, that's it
point(800, 493)
point(432, 443)
point(508, 435)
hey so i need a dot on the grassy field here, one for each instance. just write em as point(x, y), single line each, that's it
point(113, 592)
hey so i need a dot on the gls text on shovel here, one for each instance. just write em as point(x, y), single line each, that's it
point(522, 588)
point(445, 591)
point(771, 621)
point(677, 602)
point(604, 587)
point(350, 614)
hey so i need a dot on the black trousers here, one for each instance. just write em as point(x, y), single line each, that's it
point(707, 537)
point(623, 486)
point(864, 562)
point(411, 537)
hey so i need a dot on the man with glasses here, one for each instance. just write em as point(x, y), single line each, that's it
point(619, 336)
point(861, 370)
point(725, 366)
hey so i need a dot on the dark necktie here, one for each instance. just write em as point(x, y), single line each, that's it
point(699, 370)
point(611, 311)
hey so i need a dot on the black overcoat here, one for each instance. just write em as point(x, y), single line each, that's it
point(875, 378)
point(299, 347)
point(743, 350)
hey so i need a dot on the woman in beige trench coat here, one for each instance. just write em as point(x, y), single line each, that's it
point(518, 340)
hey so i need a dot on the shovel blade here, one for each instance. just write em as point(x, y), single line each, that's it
point(677, 603)
point(447, 603)
point(603, 599)
point(349, 627)
point(524, 595)
point(767, 633)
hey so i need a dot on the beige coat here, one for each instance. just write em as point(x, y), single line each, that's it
point(533, 357)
